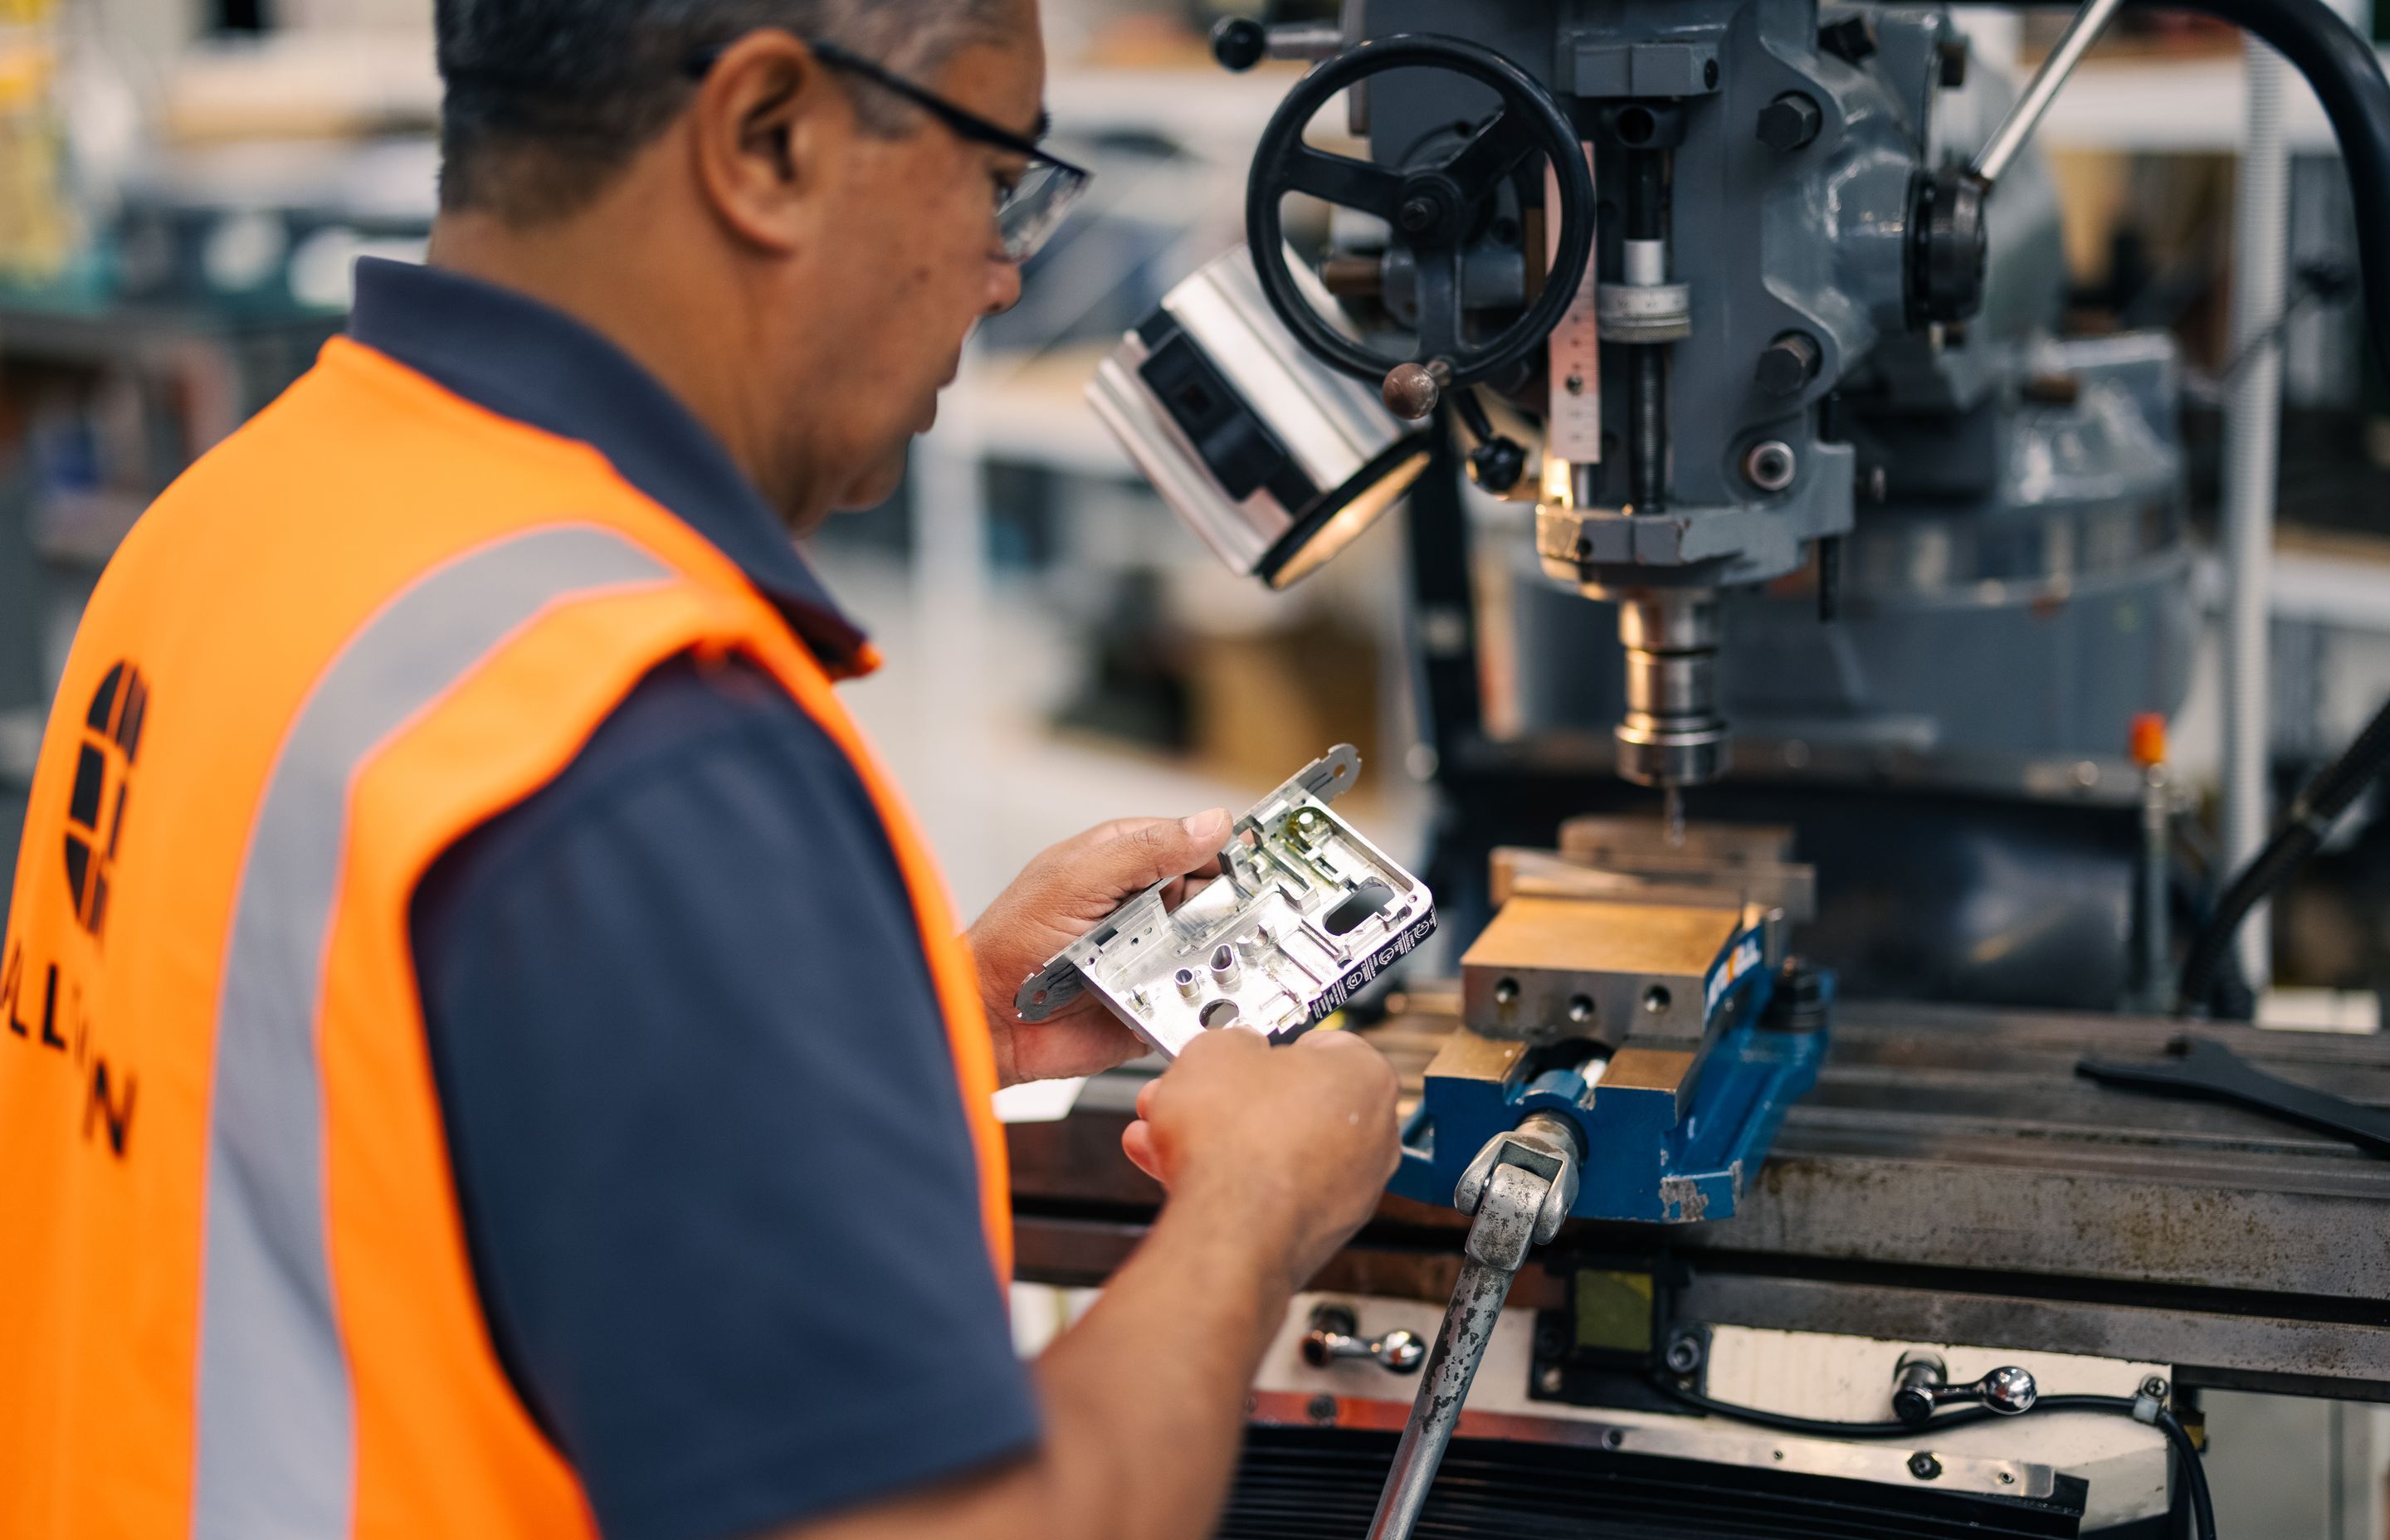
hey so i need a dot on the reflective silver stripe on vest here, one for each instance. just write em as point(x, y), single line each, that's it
point(275, 1432)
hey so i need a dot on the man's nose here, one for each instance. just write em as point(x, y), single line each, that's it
point(1003, 287)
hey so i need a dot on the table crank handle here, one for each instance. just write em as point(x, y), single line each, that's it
point(1520, 1187)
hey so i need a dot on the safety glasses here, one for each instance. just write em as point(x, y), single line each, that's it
point(1028, 210)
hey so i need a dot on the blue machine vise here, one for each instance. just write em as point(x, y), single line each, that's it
point(1671, 1116)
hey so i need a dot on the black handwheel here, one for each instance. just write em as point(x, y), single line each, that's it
point(1432, 209)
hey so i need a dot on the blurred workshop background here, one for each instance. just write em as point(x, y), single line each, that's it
point(186, 183)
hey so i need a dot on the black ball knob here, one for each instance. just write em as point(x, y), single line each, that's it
point(1790, 122)
point(1799, 1005)
point(1497, 464)
point(1787, 365)
point(1240, 43)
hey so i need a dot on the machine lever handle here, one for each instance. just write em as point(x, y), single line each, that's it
point(1518, 1189)
point(1992, 160)
point(1919, 1390)
point(1397, 1352)
point(1239, 43)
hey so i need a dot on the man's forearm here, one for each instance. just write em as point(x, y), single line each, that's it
point(1144, 1398)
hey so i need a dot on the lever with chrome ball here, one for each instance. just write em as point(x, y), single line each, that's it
point(1918, 1389)
point(1335, 1336)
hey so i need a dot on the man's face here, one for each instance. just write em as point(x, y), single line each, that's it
point(911, 263)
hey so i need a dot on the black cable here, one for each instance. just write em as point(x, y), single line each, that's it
point(2202, 1510)
point(2194, 1474)
point(1829, 1428)
point(1784, 1422)
point(2314, 281)
point(2312, 813)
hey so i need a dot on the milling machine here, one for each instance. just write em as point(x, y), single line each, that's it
point(1753, 303)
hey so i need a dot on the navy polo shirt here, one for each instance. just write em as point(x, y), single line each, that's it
point(717, 1184)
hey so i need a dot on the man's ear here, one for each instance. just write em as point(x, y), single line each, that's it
point(766, 122)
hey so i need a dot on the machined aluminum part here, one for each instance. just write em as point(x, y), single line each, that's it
point(1306, 911)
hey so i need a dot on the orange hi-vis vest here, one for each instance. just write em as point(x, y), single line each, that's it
point(234, 1294)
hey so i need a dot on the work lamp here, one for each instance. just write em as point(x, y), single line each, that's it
point(1276, 460)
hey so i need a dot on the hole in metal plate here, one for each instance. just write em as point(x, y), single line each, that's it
point(1368, 899)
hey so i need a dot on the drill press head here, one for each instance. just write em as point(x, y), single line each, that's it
point(1702, 250)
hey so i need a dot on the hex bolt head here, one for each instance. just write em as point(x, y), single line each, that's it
point(1923, 1466)
point(1787, 365)
point(1951, 55)
point(1790, 122)
point(1850, 38)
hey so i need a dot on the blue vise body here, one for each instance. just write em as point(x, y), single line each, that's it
point(1675, 1111)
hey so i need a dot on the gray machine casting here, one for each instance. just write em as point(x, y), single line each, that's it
point(1827, 381)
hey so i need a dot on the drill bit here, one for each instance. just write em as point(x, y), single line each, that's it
point(1672, 813)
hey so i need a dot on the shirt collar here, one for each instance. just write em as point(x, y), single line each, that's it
point(512, 355)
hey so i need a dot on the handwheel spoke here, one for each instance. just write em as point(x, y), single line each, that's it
point(1341, 179)
point(1497, 147)
point(1439, 304)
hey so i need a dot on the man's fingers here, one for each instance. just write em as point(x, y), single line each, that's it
point(1148, 850)
point(1116, 828)
point(1110, 829)
point(1136, 1143)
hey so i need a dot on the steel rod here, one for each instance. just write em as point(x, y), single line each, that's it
point(2157, 949)
point(2253, 401)
point(2001, 148)
point(1477, 1298)
point(1647, 396)
point(1498, 1239)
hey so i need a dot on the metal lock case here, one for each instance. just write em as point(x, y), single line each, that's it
point(1304, 912)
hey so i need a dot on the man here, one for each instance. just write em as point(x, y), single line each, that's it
point(487, 1055)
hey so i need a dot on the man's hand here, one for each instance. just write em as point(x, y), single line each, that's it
point(1273, 1157)
point(1297, 1141)
point(1054, 902)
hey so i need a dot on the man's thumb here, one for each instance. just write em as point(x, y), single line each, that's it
point(1208, 830)
point(1166, 848)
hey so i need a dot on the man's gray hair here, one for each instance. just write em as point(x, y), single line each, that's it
point(546, 99)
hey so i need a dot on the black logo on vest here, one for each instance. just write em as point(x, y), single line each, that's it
point(112, 742)
point(42, 1005)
